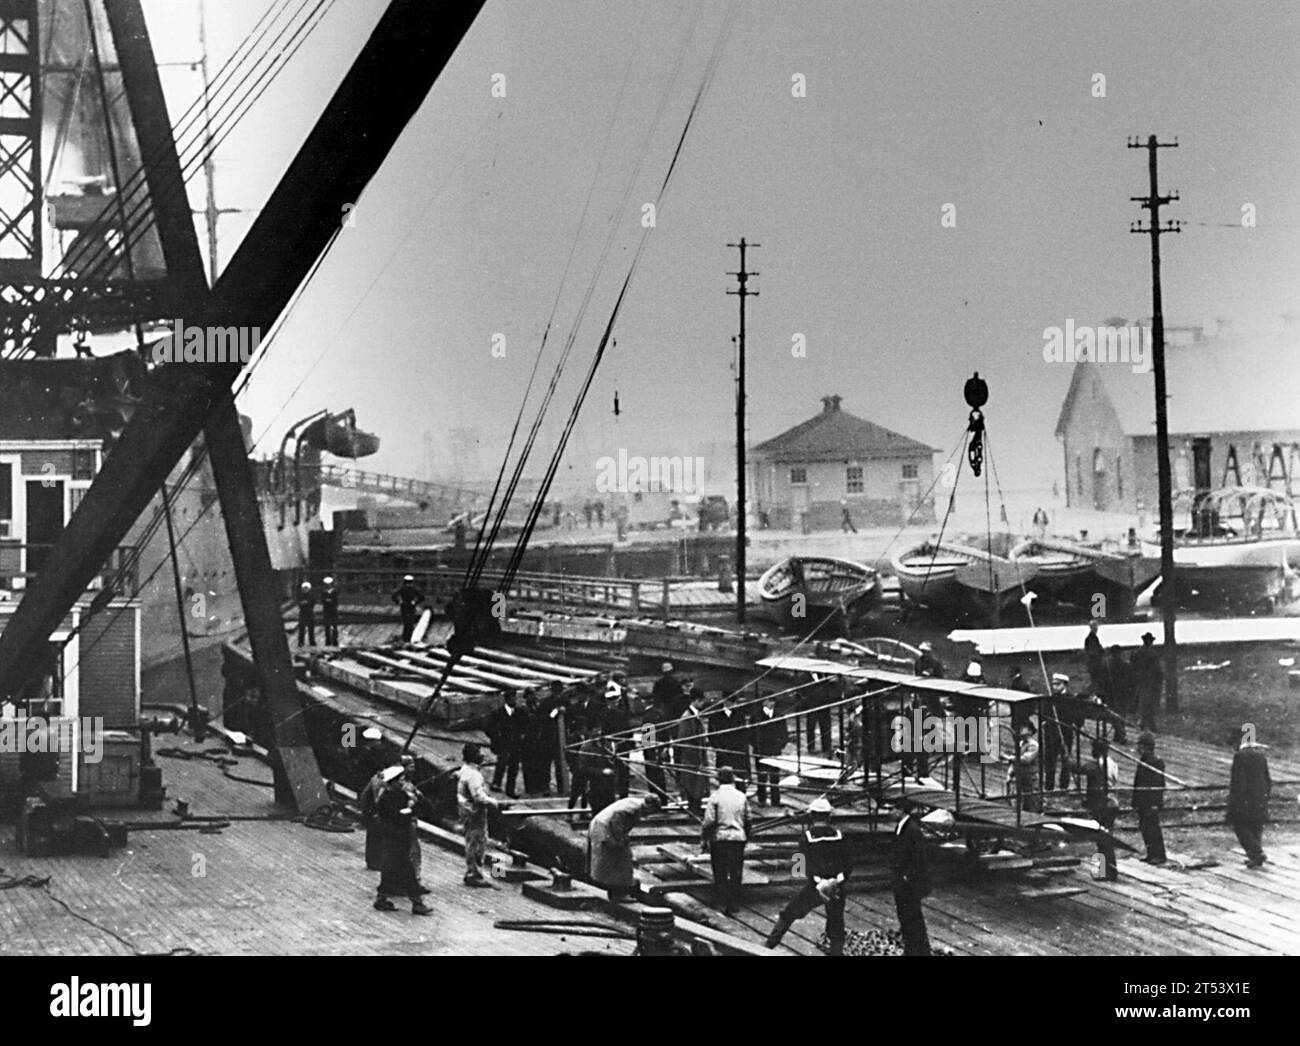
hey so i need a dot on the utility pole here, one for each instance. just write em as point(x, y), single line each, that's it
point(742, 292)
point(1168, 610)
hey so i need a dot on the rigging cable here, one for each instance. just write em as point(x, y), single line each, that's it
point(477, 565)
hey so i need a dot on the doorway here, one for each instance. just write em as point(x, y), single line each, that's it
point(44, 520)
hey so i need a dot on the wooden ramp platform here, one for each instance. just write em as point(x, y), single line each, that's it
point(1048, 639)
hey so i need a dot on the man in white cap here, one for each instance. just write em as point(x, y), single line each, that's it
point(329, 610)
point(824, 859)
point(974, 673)
point(408, 599)
point(306, 614)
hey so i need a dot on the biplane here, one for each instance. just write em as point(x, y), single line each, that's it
point(949, 746)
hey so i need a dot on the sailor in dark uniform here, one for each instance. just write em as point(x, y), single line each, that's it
point(826, 863)
point(329, 609)
point(306, 614)
point(408, 599)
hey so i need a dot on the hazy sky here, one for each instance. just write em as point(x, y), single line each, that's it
point(466, 230)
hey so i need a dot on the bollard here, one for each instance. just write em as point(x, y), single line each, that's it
point(561, 880)
point(654, 932)
point(724, 574)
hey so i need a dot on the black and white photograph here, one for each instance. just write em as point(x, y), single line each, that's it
point(729, 478)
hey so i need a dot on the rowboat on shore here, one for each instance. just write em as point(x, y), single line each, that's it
point(961, 580)
point(802, 591)
point(1076, 573)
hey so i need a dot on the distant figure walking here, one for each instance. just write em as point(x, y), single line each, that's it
point(1248, 792)
point(1040, 520)
point(588, 509)
point(408, 599)
point(846, 519)
point(599, 506)
point(306, 614)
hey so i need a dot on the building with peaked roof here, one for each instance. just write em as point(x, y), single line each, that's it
point(807, 472)
point(1234, 419)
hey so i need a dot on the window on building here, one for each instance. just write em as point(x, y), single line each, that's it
point(853, 479)
point(798, 476)
point(1119, 477)
point(83, 464)
point(910, 470)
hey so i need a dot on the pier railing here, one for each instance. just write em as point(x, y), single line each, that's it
point(623, 595)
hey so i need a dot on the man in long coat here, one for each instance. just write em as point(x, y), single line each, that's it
point(397, 832)
point(609, 844)
point(689, 749)
point(910, 881)
point(369, 801)
point(1248, 792)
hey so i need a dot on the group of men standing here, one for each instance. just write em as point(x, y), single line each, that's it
point(681, 733)
point(1129, 687)
point(307, 599)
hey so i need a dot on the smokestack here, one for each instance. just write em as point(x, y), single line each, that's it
point(831, 404)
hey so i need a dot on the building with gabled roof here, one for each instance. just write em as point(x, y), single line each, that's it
point(807, 474)
point(1234, 419)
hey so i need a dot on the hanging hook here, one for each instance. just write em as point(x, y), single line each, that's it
point(976, 392)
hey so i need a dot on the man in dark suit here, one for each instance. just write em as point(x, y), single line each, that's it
point(1148, 681)
point(770, 738)
point(1149, 798)
point(1095, 657)
point(1248, 792)
point(667, 691)
point(505, 730)
point(911, 880)
point(729, 731)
